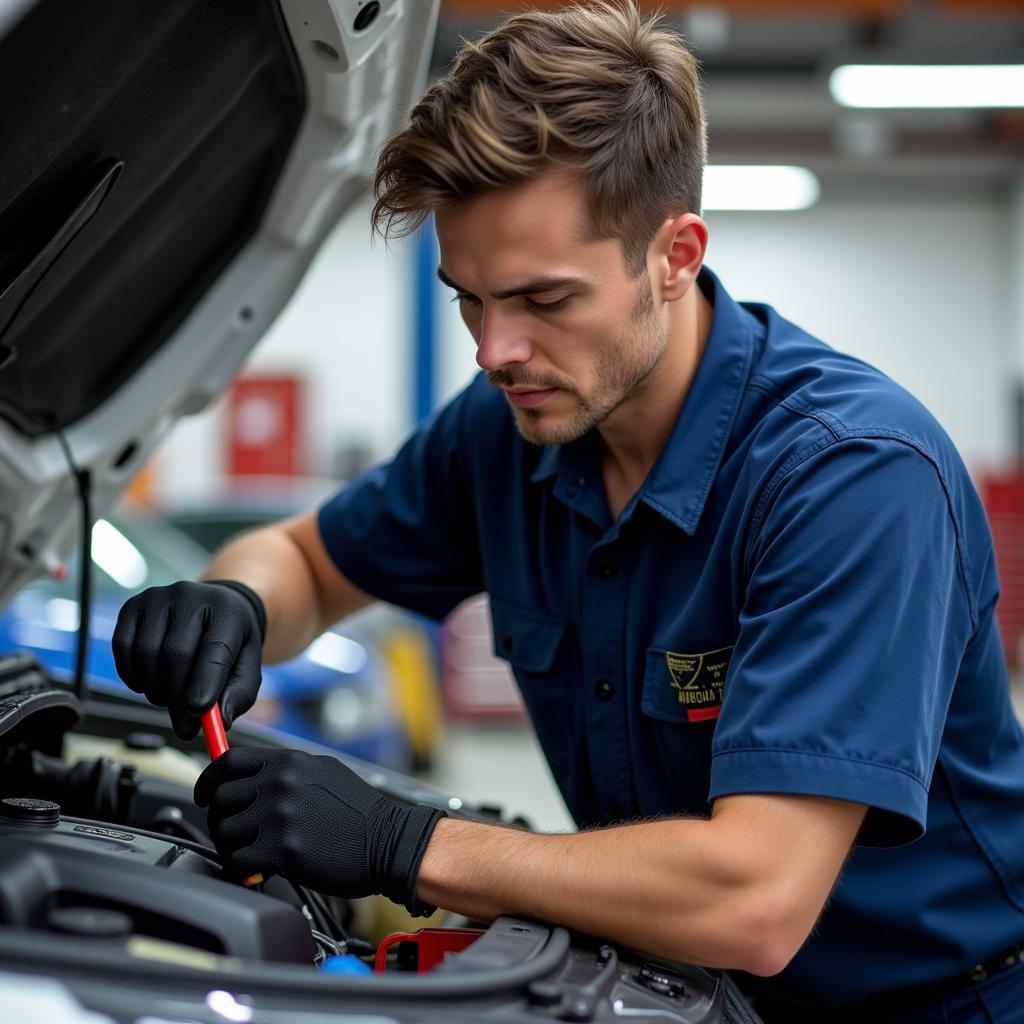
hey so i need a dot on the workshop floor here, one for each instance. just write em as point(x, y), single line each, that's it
point(500, 763)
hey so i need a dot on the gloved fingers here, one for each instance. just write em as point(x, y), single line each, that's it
point(212, 776)
point(236, 763)
point(254, 857)
point(122, 642)
point(243, 683)
point(235, 833)
point(184, 725)
point(181, 638)
point(214, 658)
point(150, 630)
point(184, 631)
point(233, 797)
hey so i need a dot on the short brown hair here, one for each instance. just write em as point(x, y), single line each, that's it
point(596, 87)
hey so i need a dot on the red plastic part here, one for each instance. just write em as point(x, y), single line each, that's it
point(213, 731)
point(217, 744)
point(432, 945)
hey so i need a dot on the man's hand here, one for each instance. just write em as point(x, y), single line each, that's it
point(314, 820)
point(189, 645)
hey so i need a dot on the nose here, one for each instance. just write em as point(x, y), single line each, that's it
point(499, 344)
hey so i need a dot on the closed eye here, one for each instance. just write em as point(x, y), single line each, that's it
point(531, 304)
point(546, 307)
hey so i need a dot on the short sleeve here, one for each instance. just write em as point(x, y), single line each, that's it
point(853, 625)
point(405, 531)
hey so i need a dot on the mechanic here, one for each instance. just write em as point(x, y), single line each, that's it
point(744, 581)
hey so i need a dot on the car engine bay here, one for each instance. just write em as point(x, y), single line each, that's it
point(105, 866)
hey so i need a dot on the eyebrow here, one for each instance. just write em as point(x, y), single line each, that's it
point(540, 284)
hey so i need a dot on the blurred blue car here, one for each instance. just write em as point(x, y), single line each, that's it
point(337, 692)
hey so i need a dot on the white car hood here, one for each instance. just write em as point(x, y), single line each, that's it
point(276, 107)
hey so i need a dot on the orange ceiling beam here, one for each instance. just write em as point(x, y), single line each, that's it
point(982, 6)
point(866, 7)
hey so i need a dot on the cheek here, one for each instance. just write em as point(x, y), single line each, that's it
point(471, 318)
point(587, 337)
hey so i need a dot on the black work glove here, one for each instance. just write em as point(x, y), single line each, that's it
point(189, 645)
point(314, 820)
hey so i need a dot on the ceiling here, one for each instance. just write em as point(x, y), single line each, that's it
point(765, 70)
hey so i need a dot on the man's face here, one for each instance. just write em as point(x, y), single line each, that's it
point(560, 326)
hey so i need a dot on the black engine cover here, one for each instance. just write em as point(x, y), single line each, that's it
point(78, 863)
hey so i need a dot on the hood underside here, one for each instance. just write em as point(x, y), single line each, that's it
point(141, 166)
point(169, 169)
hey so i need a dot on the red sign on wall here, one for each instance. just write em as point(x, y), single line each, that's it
point(1004, 504)
point(265, 426)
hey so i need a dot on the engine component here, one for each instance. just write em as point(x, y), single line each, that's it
point(165, 890)
point(26, 811)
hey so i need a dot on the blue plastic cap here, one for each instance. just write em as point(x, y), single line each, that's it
point(345, 964)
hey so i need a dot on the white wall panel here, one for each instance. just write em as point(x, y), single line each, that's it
point(920, 288)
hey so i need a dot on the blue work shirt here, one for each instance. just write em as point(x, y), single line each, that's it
point(799, 599)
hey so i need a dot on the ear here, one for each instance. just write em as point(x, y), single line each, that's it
point(676, 254)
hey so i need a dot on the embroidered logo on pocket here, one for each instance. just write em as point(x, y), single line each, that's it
point(699, 681)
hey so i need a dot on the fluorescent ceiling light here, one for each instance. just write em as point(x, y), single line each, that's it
point(62, 614)
point(117, 556)
point(920, 85)
point(765, 187)
point(337, 652)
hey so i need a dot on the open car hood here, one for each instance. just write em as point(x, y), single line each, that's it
point(168, 171)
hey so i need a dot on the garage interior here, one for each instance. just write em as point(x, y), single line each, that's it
point(370, 344)
point(865, 179)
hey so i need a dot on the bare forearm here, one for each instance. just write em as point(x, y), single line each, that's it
point(595, 882)
point(740, 890)
point(268, 562)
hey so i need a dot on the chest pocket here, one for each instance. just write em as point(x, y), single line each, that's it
point(682, 698)
point(685, 688)
point(529, 640)
point(532, 643)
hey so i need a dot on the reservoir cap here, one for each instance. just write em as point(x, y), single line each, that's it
point(29, 811)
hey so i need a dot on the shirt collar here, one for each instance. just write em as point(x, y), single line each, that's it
point(547, 463)
point(678, 484)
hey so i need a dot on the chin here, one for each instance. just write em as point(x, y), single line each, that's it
point(544, 429)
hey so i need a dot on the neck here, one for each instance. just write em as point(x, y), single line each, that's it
point(634, 435)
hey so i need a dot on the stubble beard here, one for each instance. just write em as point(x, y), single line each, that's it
point(621, 373)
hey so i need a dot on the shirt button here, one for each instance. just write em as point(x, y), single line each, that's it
point(607, 568)
point(574, 487)
point(605, 689)
point(508, 643)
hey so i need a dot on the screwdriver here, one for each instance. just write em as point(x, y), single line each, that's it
point(217, 744)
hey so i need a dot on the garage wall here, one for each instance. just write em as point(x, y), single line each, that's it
point(921, 284)
point(1015, 271)
point(921, 289)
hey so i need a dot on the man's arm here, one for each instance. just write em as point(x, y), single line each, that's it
point(740, 890)
point(301, 588)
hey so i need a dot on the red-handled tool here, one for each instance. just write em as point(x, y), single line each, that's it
point(213, 730)
point(217, 744)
